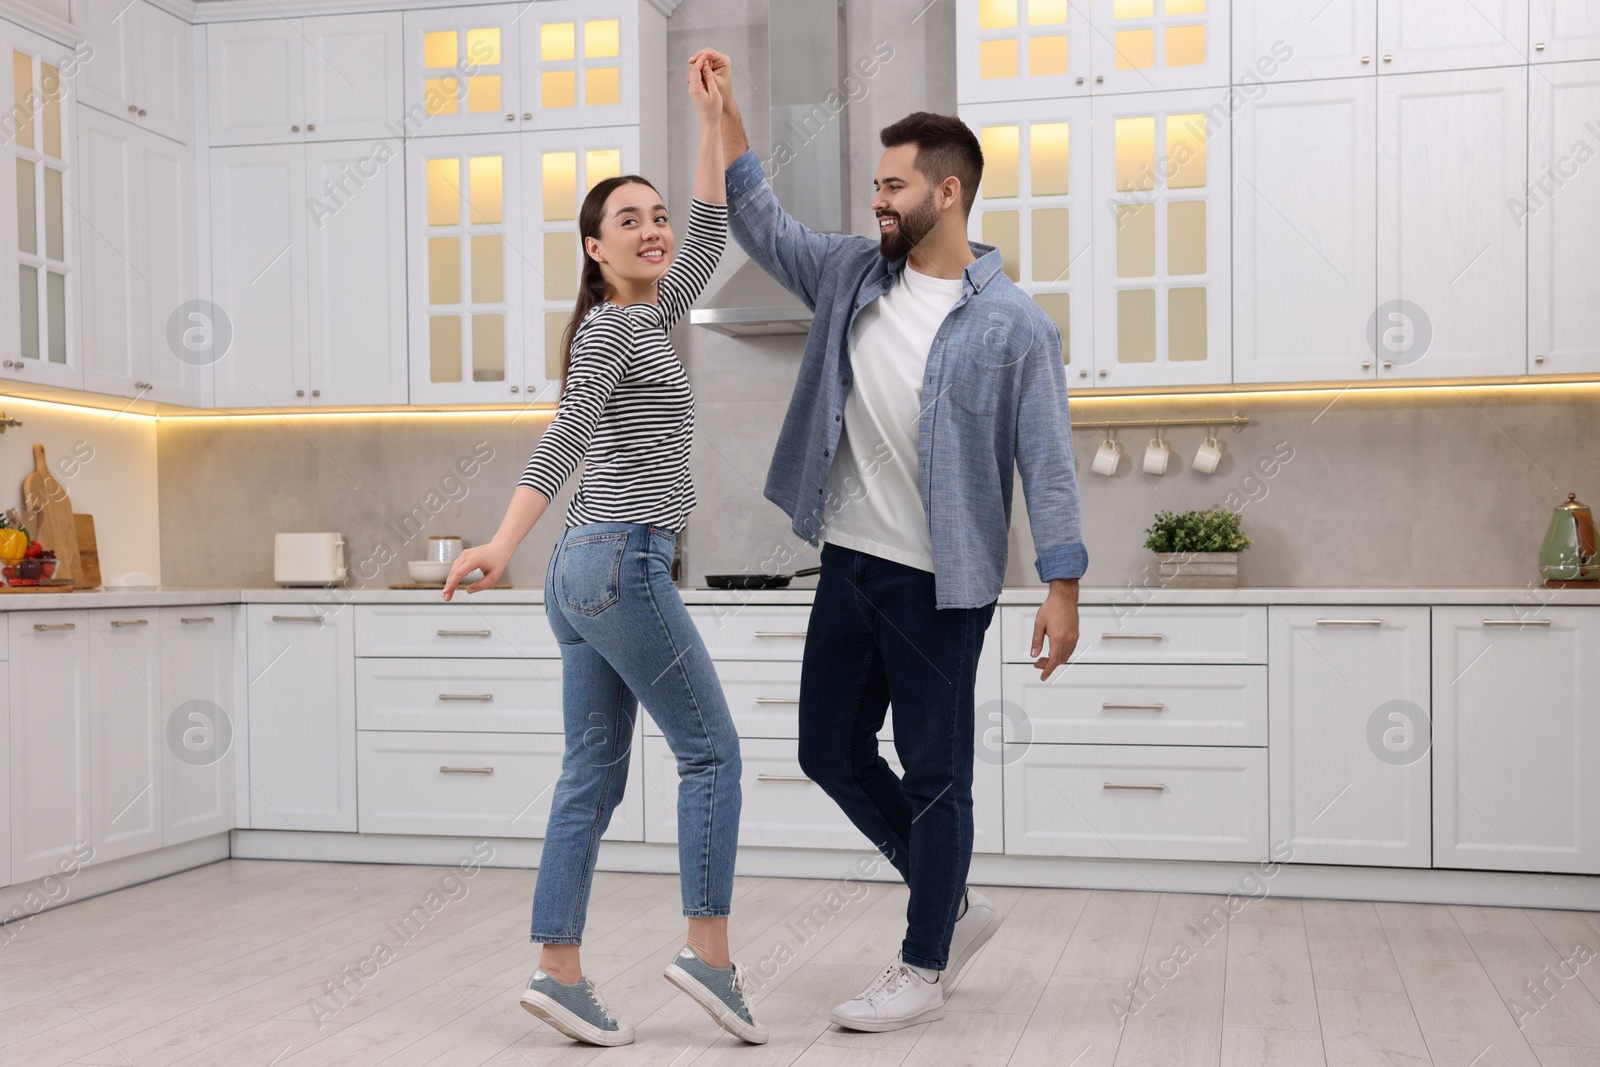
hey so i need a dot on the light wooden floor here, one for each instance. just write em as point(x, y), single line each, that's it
point(219, 965)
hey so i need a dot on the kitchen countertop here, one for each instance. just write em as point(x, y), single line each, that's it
point(1532, 595)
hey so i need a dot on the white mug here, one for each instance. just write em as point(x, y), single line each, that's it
point(443, 548)
point(1108, 457)
point(1156, 456)
point(1208, 456)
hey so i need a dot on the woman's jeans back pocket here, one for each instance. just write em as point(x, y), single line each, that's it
point(590, 572)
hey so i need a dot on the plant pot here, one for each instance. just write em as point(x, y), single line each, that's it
point(1198, 570)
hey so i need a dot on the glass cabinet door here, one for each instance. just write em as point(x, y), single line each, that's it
point(44, 237)
point(462, 74)
point(583, 63)
point(1034, 205)
point(1021, 49)
point(1145, 45)
point(560, 168)
point(1161, 230)
point(466, 249)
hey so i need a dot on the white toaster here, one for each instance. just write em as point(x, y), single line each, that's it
point(308, 559)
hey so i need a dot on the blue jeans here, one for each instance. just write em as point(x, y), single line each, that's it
point(625, 636)
point(874, 638)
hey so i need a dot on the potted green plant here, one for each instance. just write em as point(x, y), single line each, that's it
point(1197, 549)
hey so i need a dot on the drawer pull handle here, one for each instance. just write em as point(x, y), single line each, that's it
point(297, 618)
point(1518, 622)
point(1157, 788)
point(1349, 622)
point(130, 622)
point(777, 700)
point(1133, 707)
point(1133, 637)
point(55, 626)
point(780, 633)
point(466, 770)
point(783, 778)
point(188, 619)
point(484, 697)
point(463, 633)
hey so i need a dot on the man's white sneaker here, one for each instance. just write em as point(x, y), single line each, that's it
point(897, 998)
point(972, 931)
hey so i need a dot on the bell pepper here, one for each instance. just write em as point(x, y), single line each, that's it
point(13, 545)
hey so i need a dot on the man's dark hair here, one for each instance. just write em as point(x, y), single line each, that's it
point(945, 148)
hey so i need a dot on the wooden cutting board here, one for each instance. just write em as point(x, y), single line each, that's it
point(88, 551)
point(46, 497)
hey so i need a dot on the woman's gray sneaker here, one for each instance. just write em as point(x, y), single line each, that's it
point(575, 1010)
point(719, 990)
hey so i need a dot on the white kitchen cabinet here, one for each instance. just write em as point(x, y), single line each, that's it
point(1011, 50)
point(139, 260)
point(1150, 633)
point(1162, 255)
point(197, 766)
point(39, 182)
point(1143, 704)
point(1516, 738)
point(141, 70)
point(50, 735)
point(302, 717)
point(1562, 30)
point(1296, 40)
point(462, 68)
point(125, 736)
point(1561, 213)
point(466, 252)
point(1452, 154)
point(1349, 752)
point(1034, 205)
point(1418, 35)
point(476, 784)
point(1138, 47)
point(290, 80)
point(356, 273)
point(1137, 802)
point(311, 280)
point(1305, 232)
point(5, 773)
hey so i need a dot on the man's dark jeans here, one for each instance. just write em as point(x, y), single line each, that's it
point(875, 638)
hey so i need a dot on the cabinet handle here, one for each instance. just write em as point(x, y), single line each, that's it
point(142, 112)
point(1080, 81)
point(298, 618)
point(1133, 707)
point(777, 700)
point(299, 392)
point(311, 127)
point(514, 389)
point(1102, 374)
point(1157, 788)
point(1518, 622)
point(783, 778)
point(467, 770)
point(463, 633)
point(187, 619)
point(133, 108)
point(294, 129)
point(9, 362)
point(1366, 364)
point(527, 116)
point(130, 622)
point(1099, 79)
point(1366, 59)
point(1349, 622)
point(1538, 359)
point(482, 697)
point(510, 117)
point(1388, 58)
point(1133, 637)
point(1388, 364)
point(780, 633)
point(1539, 47)
point(316, 392)
point(55, 626)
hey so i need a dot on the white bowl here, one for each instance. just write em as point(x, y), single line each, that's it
point(426, 571)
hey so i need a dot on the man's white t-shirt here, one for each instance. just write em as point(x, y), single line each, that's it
point(874, 473)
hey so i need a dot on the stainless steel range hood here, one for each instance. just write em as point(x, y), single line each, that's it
point(807, 168)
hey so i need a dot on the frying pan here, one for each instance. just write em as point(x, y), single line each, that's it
point(757, 581)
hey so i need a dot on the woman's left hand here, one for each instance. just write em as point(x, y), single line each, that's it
point(704, 92)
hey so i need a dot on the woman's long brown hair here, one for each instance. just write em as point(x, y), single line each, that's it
point(592, 287)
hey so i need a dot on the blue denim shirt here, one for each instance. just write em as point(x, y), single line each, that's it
point(994, 399)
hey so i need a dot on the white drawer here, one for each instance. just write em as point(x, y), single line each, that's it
point(453, 630)
point(752, 631)
point(499, 785)
point(764, 699)
point(1147, 704)
point(1138, 802)
point(781, 808)
point(1150, 633)
point(491, 696)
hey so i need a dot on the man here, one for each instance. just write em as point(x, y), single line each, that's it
point(928, 378)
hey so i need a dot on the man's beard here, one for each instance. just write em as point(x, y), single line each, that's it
point(909, 230)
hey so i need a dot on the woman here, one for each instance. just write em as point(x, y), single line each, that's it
point(627, 411)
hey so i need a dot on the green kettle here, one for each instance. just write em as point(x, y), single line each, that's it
point(1568, 552)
